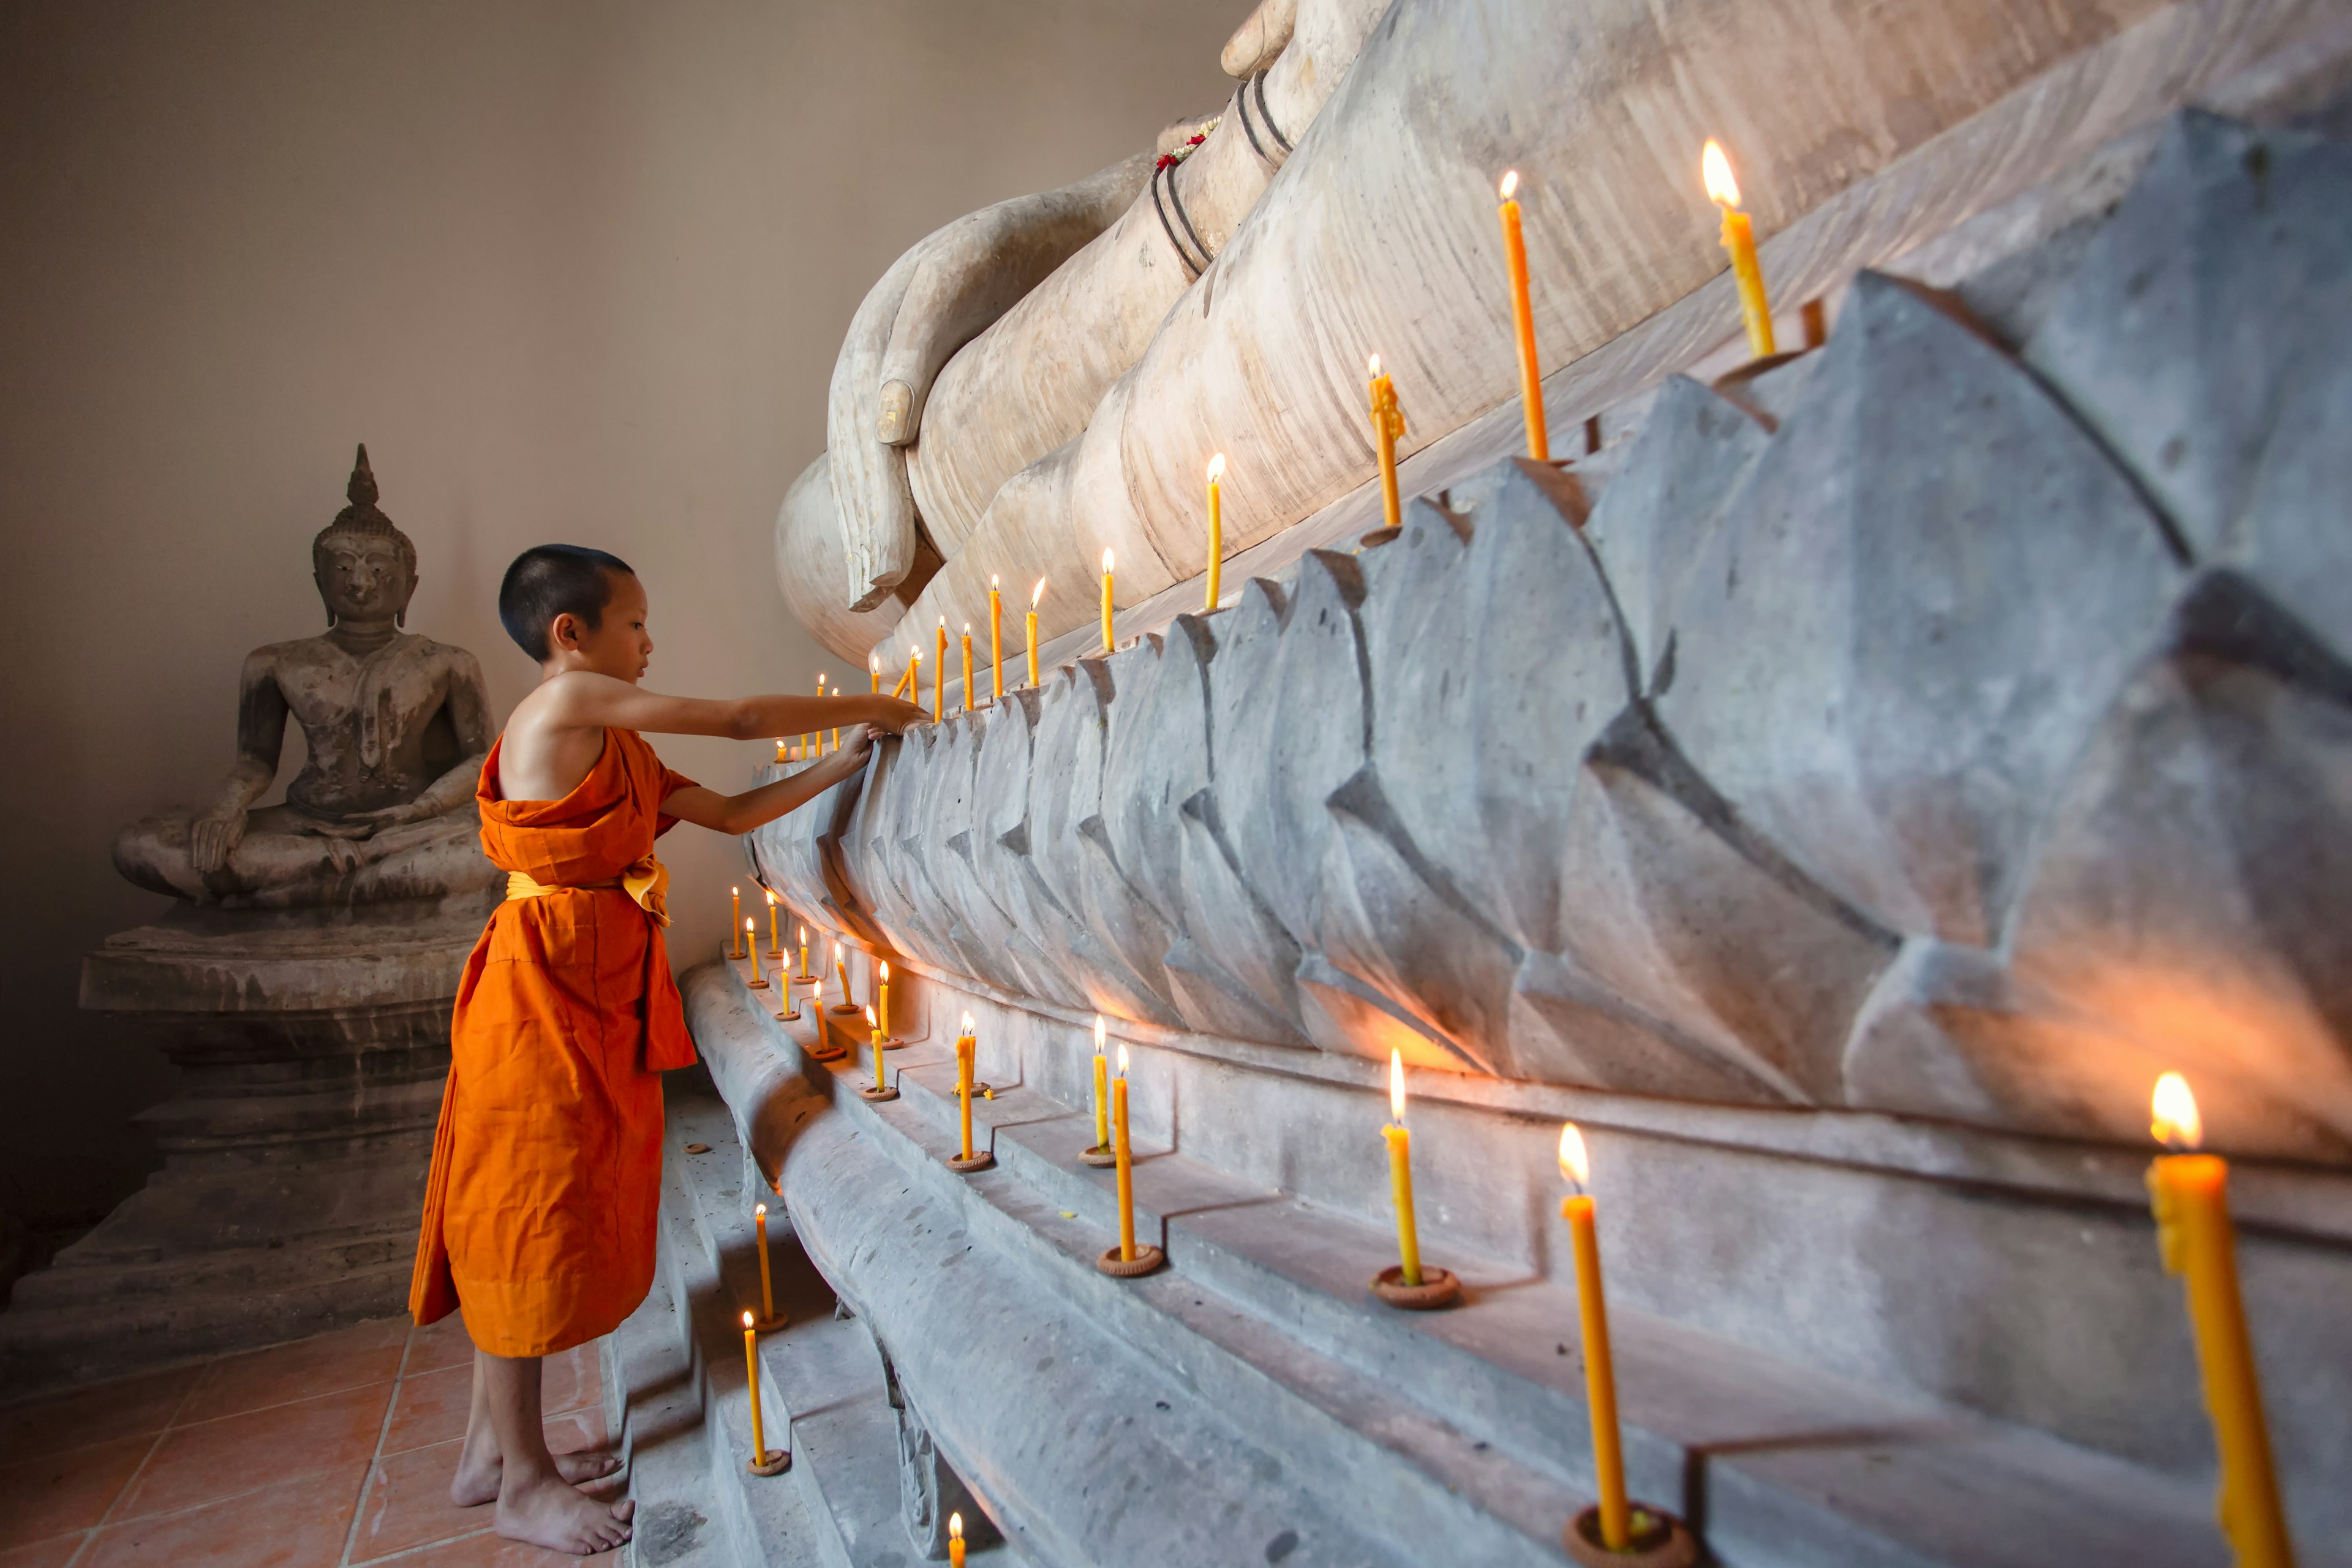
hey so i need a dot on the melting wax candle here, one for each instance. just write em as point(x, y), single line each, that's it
point(1739, 239)
point(1523, 321)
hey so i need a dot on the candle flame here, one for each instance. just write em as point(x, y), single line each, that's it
point(747, 1320)
point(837, 952)
point(2176, 1120)
point(885, 971)
point(1715, 170)
point(874, 663)
point(943, 623)
point(967, 1023)
point(1036, 593)
point(804, 934)
point(758, 1208)
point(1510, 185)
point(871, 1022)
point(1122, 1059)
point(991, 581)
point(1372, 366)
point(1396, 1085)
point(916, 655)
point(1098, 1034)
point(955, 1527)
point(1574, 1164)
point(1106, 562)
point(747, 922)
point(1216, 467)
point(735, 890)
point(772, 897)
point(966, 628)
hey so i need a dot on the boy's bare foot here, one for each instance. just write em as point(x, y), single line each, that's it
point(544, 1511)
point(476, 1480)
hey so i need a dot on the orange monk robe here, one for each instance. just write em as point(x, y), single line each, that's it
point(546, 1183)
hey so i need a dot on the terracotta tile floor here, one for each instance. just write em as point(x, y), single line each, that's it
point(327, 1453)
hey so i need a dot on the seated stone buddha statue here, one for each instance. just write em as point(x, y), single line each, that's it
point(396, 725)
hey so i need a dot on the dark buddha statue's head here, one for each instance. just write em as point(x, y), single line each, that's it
point(365, 567)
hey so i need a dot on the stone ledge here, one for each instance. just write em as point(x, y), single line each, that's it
point(1796, 1468)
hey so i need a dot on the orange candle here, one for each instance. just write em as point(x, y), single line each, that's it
point(967, 1049)
point(805, 969)
point(1388, 424)
point(841, 972)
point(873, 664)
point(912, 679)
point(760, 1455)
point(969, 704)
point(1600, 1373)
point(1739, 239)
point(751, 941)
point(779, 750)
point(1035, 593)
point(873, 1039)
point(1125, 1160)
point(939, 674)
point(767, 1286)
point(955, 1540)
point(1399, 1143)
point(882, 1000)
point(1523, 316)
point(1216, 524)
point(2191, 1197)
point(1107, 563)
point(776, 947)
point(1102, 1092)
point(995, 641)
point(735, 895)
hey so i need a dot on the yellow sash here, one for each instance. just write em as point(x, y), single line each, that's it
point(647, 882)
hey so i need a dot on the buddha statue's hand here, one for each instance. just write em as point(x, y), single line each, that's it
point(367, 822)
point(214, 835)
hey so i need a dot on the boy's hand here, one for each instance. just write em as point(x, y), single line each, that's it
point(855, 745)
point(890, 715)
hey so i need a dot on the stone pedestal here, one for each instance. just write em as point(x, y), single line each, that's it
point(315, 1045)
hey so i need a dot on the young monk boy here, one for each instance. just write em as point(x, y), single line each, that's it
point(539, 1212)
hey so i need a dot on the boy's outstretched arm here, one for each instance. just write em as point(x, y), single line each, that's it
point(742, 813)
point(583, 698)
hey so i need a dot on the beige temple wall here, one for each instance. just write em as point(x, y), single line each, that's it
point(574, 271)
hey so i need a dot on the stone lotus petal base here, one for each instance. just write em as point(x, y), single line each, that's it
point(1852, 786)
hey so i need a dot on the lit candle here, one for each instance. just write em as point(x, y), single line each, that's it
point(767, 1284)
point(913, 681)
point(736, 896)
point(805, 969)
point(820, 734)
point(1400, 1171)
point(841, 972)
point(939, 675)
point(1125, 1160)
point(761, 1458)
point(1388, 424)
point(1523, 316)
point(1600, 1374)
point(1107, 563)
point(776, 947)
point(874, 1033)
point(2191, 1195)
point(1035, 593)
point(780, 755)
point(882, 1000)
point(1102, 1091)
point(1739, 238)
point(955, 1540)
point(874, 663)
point(995, 641)
point(967, 694)
point(751, 941)
point(967, 1049)
point(1216, 524)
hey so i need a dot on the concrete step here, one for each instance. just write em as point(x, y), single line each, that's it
point(825, 1394)
point(1461, 1433)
